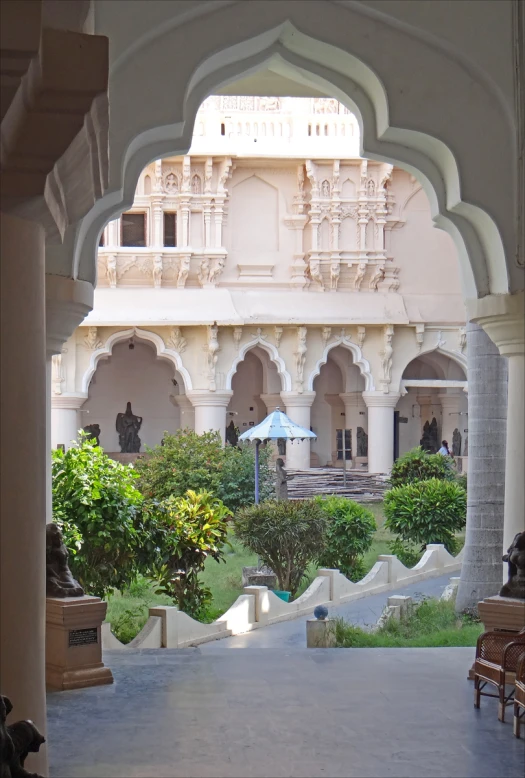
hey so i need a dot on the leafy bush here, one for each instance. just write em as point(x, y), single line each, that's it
point(199, 462)
point(97, 507)
point(407, 553)
point(129, 623)
point(462, 480)
point(420, 465)
point(237, 486)
point(186, 531)
point(349, 533)
point(426, 512)
point(285, 535)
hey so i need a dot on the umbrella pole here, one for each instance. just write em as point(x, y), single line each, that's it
point(257, 443)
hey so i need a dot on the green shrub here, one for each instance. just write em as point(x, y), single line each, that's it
point(186, 531)
point(426, 512)
point(129, 623)
point(97, 507)
point(462, 480)
point(420, 465)
point(285, 535)
point(407, 553)
point(237, 483)
point(349, 534)
point(200, 462)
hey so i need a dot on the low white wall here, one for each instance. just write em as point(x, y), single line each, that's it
point(167, 627)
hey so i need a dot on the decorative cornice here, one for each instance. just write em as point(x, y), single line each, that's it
point(206, 397)
point(381, 400)
point(295, 399)
point(503, 319)
point(68, 402)
point(68, 302)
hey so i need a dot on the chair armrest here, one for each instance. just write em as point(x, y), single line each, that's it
point(512, 654)
point(520, 669)
point(498, 640)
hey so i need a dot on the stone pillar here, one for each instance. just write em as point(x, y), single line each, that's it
point(65, 419)
point(210, 410)
point(272, 401)
point(487, 382)
point(23, 458)
point(450, 418)
point(298, 407)
point(352, 402)
point(380, 430)
point(503, 319)
point(187, 411)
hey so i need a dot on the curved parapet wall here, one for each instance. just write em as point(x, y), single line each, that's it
point(167, 627)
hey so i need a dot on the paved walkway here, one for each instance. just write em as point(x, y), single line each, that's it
point(363, 612)
point(269, 713)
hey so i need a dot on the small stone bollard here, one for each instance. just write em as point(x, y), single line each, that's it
point(320, 631)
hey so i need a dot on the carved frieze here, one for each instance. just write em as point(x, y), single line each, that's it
point(175, 340)
point(300, 358)
point(92, 341)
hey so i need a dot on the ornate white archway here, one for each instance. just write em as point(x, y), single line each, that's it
point(358, 358)
point(286, 380)
point(170, 355)
point(303, 57)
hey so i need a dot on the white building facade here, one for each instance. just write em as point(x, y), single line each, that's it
point(266, 268)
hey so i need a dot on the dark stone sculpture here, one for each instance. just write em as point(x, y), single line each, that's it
point(515, 558)
point(456, 443)
point(362, 443)
point(59, 581)
point(232, 434)
point(429, 442)
point(465, 445)
point(16, 742)
point(93, 430)
point(281, 446)
point(128, 426)
point(281, 485)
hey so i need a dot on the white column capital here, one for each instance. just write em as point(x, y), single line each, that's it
point(503, 319)
point(298, 399)
point(70, 402)
point(380, 400)
point(203, 397)
point(351, 398)
point(67, 304)
point(272, 401)
point(182, 401)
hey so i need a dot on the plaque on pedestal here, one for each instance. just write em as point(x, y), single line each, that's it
point(73, 643)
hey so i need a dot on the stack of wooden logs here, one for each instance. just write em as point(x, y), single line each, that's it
point(362, 487)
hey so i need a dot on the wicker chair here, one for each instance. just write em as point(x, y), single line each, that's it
point(519, 695)
point(497, 655)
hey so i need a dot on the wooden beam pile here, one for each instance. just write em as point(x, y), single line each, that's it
point(362, 487)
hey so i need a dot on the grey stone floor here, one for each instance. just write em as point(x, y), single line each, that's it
point(292, 634)
point(266, 713)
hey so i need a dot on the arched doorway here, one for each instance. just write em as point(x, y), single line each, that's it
point(133, 373)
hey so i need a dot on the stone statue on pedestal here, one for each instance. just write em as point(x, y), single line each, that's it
point(362, 443)
point(456, 443)
point(281, 485)
point(515, 558)
point(128, 426)
point(16, 742)
point(93, 430)
point(59, 581)
point(232, 434)
point(429, 441)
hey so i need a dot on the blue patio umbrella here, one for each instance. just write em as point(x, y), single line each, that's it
point(275, 426)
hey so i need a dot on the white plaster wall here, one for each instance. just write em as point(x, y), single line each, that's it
point(247, 385)
point(325, 418)
point(137, 376)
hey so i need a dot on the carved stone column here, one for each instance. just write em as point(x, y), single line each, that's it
point(380, 430)
point(298, 408)
point(210, 410)
point(65, 419)
point(187, 410)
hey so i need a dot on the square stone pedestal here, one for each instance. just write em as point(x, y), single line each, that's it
point(502, 614)
point(320, 633)
point(74, 643)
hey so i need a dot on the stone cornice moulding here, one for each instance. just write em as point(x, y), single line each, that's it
point(205, 397)
point(68, 402)
point(68, 302)
point(61, 109)
point(381, 400)
point(298, 399)
point(503, 319)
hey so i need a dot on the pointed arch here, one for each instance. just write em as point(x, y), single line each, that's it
point(357, 356)
point(258, 340)
point(170, 355)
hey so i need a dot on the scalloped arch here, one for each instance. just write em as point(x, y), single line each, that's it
point(286, 380)
point(358, 358)
point(308, 60)
point(456, 356)
point(117, 337)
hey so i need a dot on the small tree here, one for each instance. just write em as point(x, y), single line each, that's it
point(427, 512)
point(97, 507)
point(186, 531)
point(349, 534)
point(420, 465)
point(287, 536)
point(237, 486)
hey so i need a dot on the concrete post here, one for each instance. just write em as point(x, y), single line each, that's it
point(298, 407)
point(380, 430)
point(487, 381)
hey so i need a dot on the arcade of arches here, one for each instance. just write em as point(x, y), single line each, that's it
point(444, 121)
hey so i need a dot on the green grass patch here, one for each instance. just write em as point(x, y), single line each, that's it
point(128, 611)
point(432, 623)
